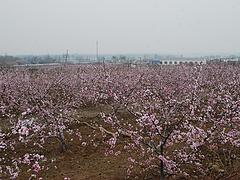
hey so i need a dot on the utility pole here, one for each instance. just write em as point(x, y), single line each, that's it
point(97, 51)
point(66, 58)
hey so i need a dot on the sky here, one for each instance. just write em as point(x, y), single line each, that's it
point(120, 26)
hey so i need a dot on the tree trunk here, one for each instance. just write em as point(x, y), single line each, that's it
point(162, 174)
point(63, 146)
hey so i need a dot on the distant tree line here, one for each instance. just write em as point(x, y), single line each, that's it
point(40, 59)
point(9, 60)
point(12, 60)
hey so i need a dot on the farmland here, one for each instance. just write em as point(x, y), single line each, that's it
point(114, 122)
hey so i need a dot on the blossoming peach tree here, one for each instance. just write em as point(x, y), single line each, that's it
point(36, 108)
point(175, 121)
point(181, 121)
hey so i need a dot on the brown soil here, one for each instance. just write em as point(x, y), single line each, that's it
point(84, 162)
point(87, 162)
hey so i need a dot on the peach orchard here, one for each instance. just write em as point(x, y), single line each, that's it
point(178, 120)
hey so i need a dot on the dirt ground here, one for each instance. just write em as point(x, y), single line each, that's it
point(88, 162)
point(85, 162)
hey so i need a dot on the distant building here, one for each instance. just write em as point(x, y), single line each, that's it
point(177, 61)
point(156, 62)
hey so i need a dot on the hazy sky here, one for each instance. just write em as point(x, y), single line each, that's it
point(121, 26)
